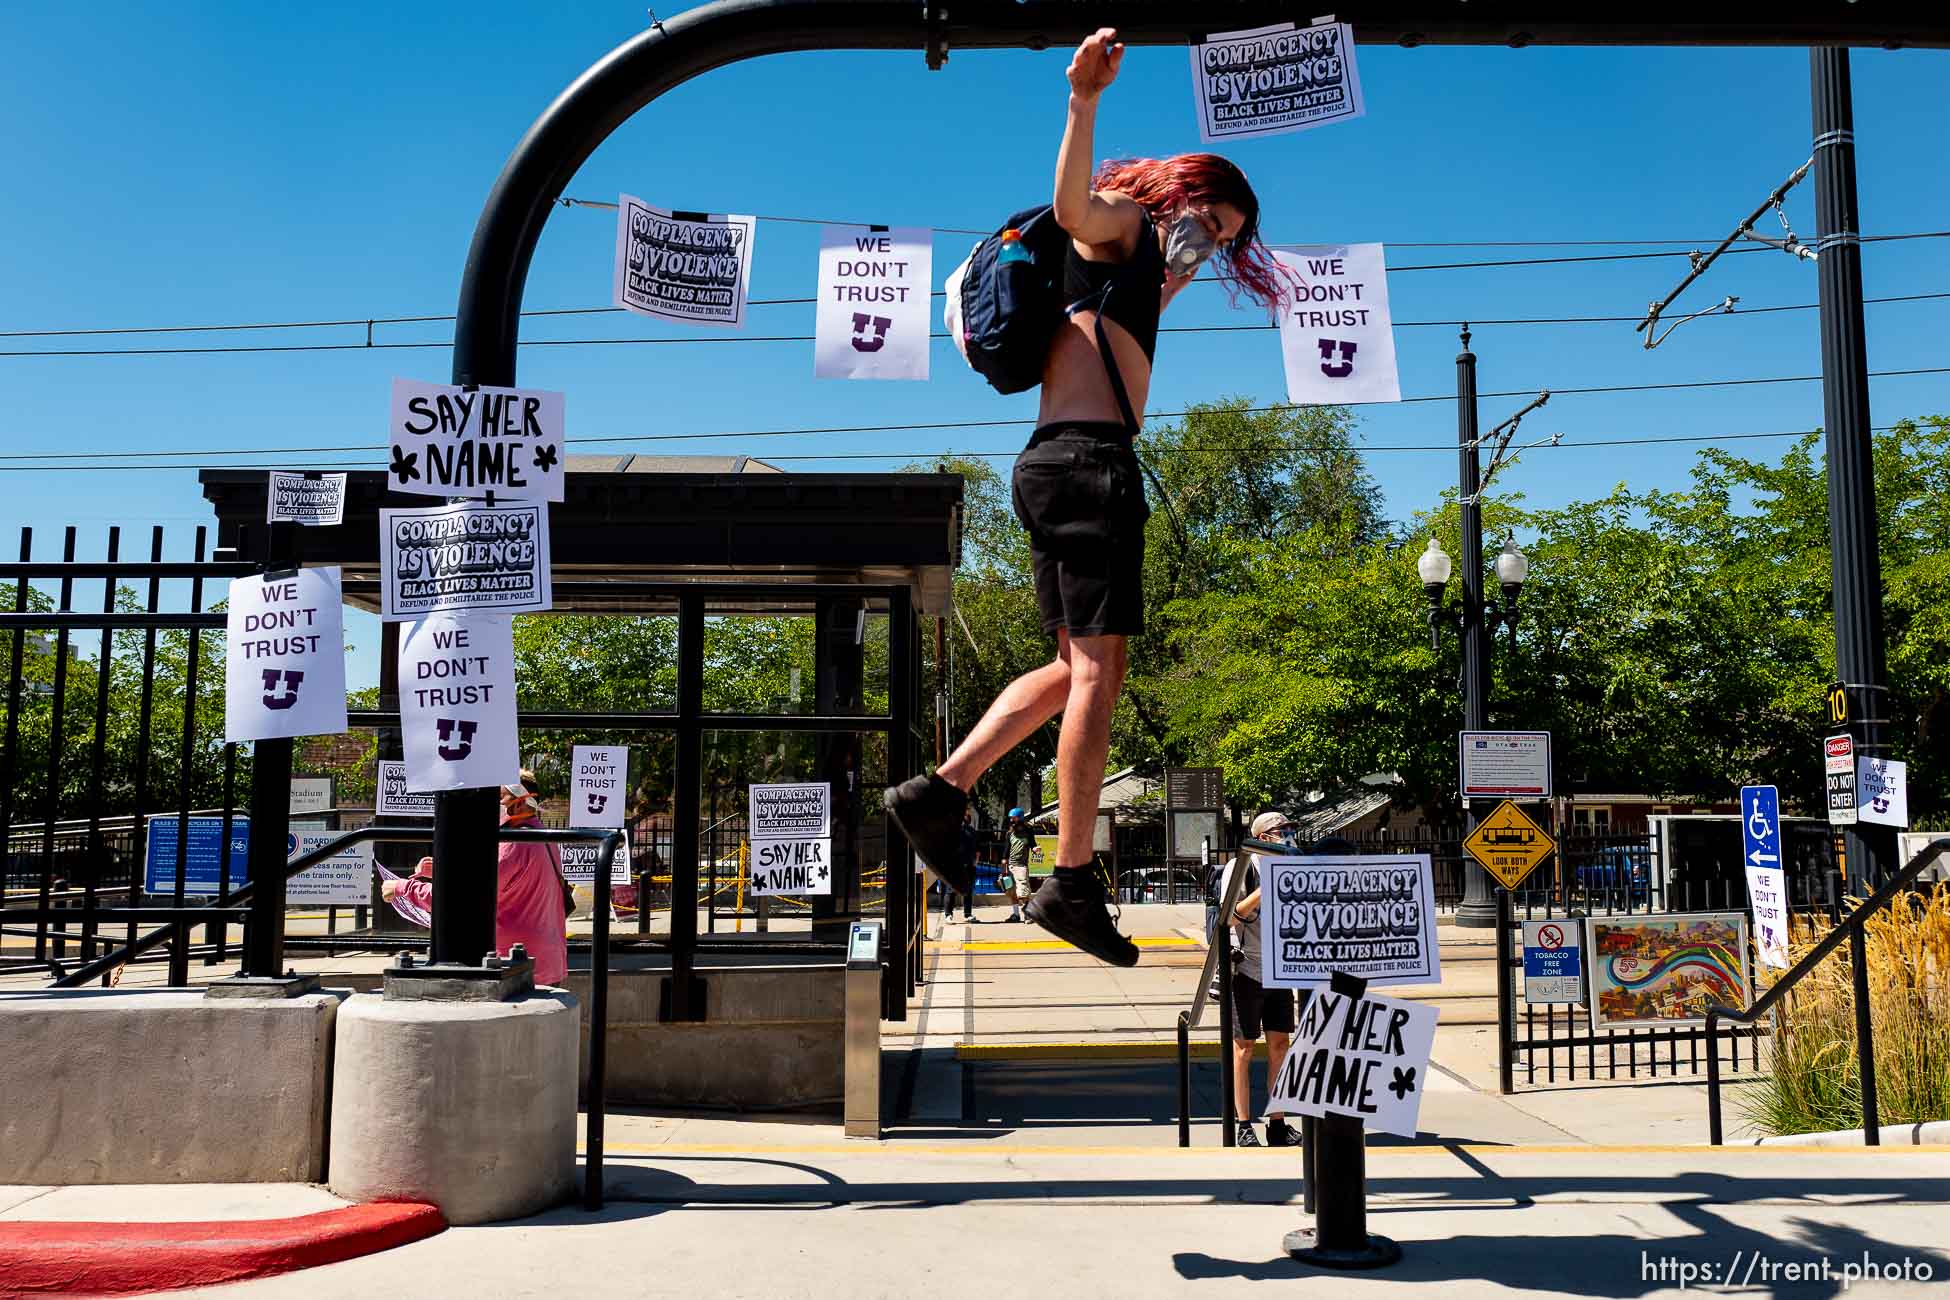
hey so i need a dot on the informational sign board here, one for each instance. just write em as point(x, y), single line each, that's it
point(1195, 787)
point(1044, 854)
point(1762, 854)
point(457, 702)
point(203, 871)
point(342, 880)
point(304, 498)
point(310, 794)
point(790, 828)
point(1275, 80)
point(1838, 757)
point(1666, 969)
point(1553, 969)
point(875, 288)
point(1509, 845)
point(464, 557)
point(1371, 916)
point(795, 810)
point(449, 441)
point(1882, 791)
point(579, 862)
point(1505, 764)
point(395, 800)
point(796, 866)
point(284, 666)
point(1336, 337)
point(599, 786)
point(689, 267)
point(1366, 1057)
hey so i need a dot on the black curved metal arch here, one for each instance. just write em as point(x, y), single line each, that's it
point(673, 51)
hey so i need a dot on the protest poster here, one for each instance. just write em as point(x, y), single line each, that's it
point(1366, 1058)
point(284, 666)
point(794, 866)
point(794, 810)
point(447, 440)
point(689, 267)
point(464, 557)
point(342, 880)
point(1336, 337)
point(1275, 80)
point(1666, 970)
point(1882, 791)
point(875, 286)
point(598, 786)
point(304, 498)
point(457, 702)
point(394, 800)
point(1370, 916)
point(579, 859)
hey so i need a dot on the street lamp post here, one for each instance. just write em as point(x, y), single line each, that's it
point(1474, 619)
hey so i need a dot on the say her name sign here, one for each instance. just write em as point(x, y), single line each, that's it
point(1370, 916)
point(457, 702)
point(465, 556)
point(1365, 1057)
point(688, 267)
point(874, 291)
point(284, 666)
point(1336, 337)
point(448, 441)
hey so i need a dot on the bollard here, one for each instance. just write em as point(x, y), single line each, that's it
point(1335, 1159)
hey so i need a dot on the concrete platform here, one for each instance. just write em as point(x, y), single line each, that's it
point(957, 1219)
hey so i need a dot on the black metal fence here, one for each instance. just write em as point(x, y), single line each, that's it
point(113, 716)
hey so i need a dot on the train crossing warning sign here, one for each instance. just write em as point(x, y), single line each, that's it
point(1509, 845)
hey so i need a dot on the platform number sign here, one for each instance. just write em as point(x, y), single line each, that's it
point(1838, 705)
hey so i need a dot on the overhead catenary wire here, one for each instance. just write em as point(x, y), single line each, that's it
point(370, 323)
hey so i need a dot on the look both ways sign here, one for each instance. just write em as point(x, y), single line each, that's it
point(1331, 926)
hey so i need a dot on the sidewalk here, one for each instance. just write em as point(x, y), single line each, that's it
point(959, 1219)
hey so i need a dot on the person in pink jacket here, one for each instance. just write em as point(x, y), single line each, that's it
point(529, 903)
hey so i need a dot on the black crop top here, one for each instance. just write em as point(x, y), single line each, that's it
point(1135, 286)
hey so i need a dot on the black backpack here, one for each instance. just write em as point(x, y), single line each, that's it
point(1003, 315)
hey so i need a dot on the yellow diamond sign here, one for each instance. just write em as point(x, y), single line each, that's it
point(1508, 844)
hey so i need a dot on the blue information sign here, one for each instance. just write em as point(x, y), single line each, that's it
point(1760, 849)
point(202, 869)
point(1552, 966)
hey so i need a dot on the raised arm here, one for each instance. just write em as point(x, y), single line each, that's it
point(1090, 218)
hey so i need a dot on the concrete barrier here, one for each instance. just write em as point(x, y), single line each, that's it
point(1931, 1133)
point(163, 1086)
point(469, 1106)
point(773, 1038)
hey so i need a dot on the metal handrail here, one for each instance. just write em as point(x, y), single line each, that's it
point(1852, 930)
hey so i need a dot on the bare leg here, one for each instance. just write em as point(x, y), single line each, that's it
point(1242, 1081)
point(1096, 676)
point(1024, 705)
point(1276, 1049)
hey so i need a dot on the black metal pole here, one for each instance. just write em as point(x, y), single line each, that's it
point(1713, 1078)
point(683, 823)
point(270, 824)
point(1855, 563)
point(1506, 997)
point(1184, 1080)
point(1478, 907)
point(592, 1173)
point(1865, 1043)
point(1338, 1163)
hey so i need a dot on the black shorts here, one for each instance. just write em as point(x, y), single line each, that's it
point(1078, 491)
point(1256, 1010)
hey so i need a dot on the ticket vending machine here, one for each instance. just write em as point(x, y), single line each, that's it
point(863, 1030)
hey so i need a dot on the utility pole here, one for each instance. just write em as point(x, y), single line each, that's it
point(1478, 907)
point(1855, 562)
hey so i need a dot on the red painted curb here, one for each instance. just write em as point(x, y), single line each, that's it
point(38, 1259)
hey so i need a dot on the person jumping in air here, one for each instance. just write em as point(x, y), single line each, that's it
point(1138, 232)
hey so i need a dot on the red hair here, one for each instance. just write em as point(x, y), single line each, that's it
point(1162, 185)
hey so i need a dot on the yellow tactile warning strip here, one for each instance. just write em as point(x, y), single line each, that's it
point(895, 1147)
point(1093, 1050)
point(1057, 945)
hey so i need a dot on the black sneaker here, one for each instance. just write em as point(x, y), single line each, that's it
point(929, 810)
point(1073, 910)
point(1245, 1137)
point(1279, 1133)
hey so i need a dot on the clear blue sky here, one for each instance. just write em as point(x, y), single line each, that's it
point(233, 163)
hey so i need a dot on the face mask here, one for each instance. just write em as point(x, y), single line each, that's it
point(1188, 246)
